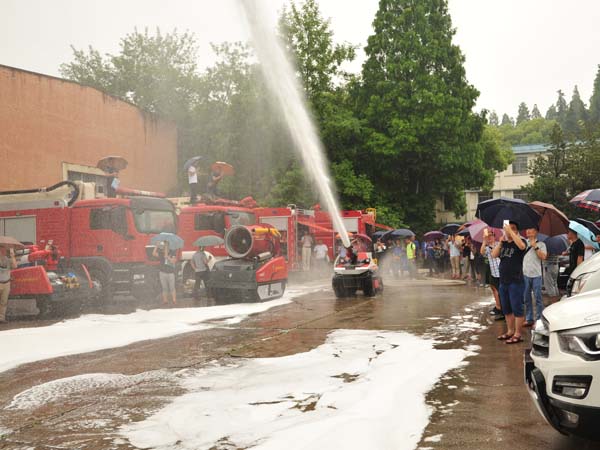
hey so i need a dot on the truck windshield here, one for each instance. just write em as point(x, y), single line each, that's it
point(241, 218)
point(152, 221)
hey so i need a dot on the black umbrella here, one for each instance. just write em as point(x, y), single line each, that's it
point(589, 225)
point(378, 235)
point(587, 199)
point(400, 233)
point(496, 210)
point(450, 228)
point(464, 232)
point(192, 162)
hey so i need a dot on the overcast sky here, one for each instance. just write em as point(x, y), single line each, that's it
point(516, 50)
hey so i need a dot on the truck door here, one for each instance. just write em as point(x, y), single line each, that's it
point(107, 233)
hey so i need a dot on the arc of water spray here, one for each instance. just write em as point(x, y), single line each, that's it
point(284, 86)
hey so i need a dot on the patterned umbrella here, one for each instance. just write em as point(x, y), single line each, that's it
point(589, 199)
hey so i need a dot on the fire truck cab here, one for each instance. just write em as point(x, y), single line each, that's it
point(110, 236)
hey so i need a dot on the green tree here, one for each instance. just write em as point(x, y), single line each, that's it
point(534, 131)
point(493, 119)
point(551, 114)
point(576, 115)
point(535, 112)
point(310, 39)
point(506, 121)
point(415, 104)
point(594, 113)
point(561, 108)
point(549, 172)
point(308, 36)
point(523, 114)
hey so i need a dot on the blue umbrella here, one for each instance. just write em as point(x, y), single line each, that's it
point(192, 162)
point(589, 225)
point(208, 241)
point(174, 241)
point(496, 210)
point(586, 236)
point(556, 245)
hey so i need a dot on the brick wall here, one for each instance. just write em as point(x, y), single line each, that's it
point(45, 121)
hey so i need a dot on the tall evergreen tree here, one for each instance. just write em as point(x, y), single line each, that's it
point(506, 120)
point(561, 108)
point(416, 105)
point(523, 114)
point(576, 115)
point(594, 115)
point(551, 114)
point(493, 119)
point(535, 112)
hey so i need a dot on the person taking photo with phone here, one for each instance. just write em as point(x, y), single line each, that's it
point(511, 251)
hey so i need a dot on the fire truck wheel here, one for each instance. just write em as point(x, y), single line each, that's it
point(43, 305)
point(339, 290)
point(102, 280)
point(368, 289)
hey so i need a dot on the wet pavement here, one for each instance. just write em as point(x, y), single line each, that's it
point(482, 405)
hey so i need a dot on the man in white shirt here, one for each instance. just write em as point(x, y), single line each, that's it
point(193, 182)
point(321, 254)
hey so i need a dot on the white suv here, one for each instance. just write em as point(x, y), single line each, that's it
point(586, 277)
point(562, 369)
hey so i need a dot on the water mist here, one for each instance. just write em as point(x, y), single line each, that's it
point(284, 86)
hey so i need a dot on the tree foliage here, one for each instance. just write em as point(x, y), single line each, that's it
point(523, 114)
point(566, 169)
point(397, 136)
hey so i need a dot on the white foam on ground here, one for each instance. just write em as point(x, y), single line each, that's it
point(79, 385)
point(360, 389)
point(94, 332)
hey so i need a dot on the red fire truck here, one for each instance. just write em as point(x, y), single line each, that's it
point(292, 222)
point(110, 236)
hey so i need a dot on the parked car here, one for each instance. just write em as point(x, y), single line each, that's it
point(563, 276)
point(562, 369)
point(586, 277)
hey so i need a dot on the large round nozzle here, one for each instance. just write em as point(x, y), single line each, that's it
point(250, 241)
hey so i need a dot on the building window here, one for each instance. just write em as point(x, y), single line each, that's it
point(483, 196)
point(521, 195)
point(100, 180)
point(520, 165)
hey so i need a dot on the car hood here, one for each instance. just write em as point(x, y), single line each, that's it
point(589, 265)
point(574, 312)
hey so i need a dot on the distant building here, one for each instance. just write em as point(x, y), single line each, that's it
point(508, 183)
point(53, 129)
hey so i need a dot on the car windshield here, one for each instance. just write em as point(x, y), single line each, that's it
point(241, 218)
point(151, 221)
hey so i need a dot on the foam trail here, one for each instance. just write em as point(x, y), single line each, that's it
point(283, 83)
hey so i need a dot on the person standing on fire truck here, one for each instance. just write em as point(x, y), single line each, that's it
point(192, 174)
point(7, 263)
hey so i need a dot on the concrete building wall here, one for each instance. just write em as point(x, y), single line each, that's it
point(49, 126)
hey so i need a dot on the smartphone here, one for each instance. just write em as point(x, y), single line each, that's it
point(506, 222)
point(486, 232)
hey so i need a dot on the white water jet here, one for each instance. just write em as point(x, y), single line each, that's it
point(282, 81)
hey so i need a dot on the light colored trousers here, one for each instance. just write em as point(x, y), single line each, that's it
point(306, 255)
point(4, 290)
point(551, 278)
point(455, 263)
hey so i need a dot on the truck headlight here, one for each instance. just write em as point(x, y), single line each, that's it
point(580, 282)
point(583, 342)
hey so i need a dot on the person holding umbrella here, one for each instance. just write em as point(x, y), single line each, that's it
point(576, 251)
point(199, 263)
point(7, 263)
point(511, 251)
point(166, 269)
